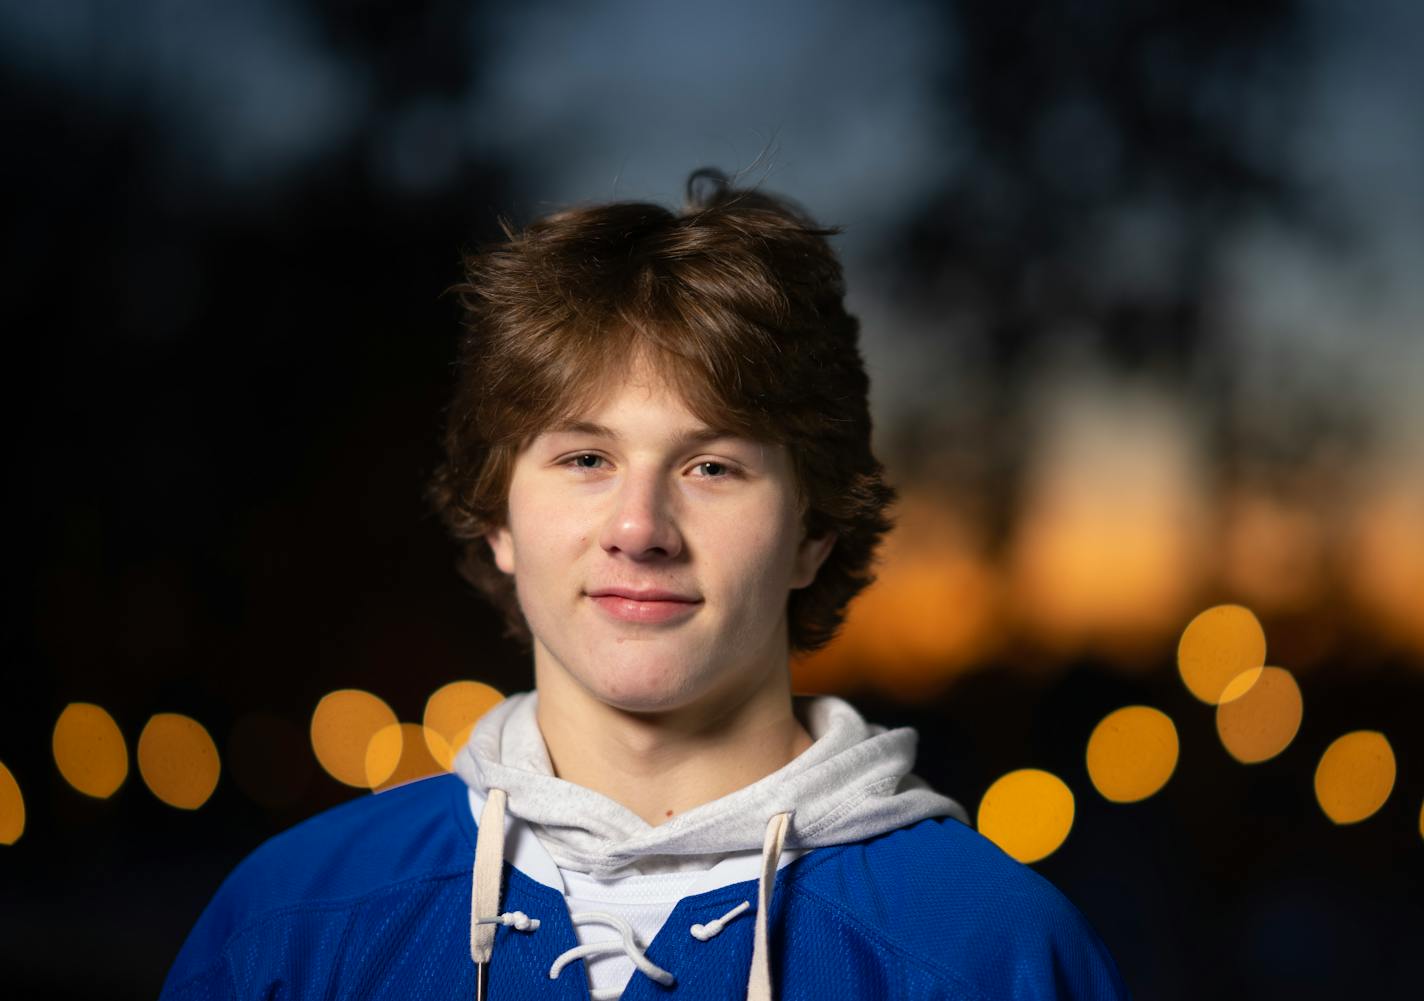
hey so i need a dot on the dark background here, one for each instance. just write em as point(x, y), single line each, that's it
point(1160, 255)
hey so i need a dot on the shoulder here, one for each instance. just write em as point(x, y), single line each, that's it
point(942, 895)
point(410, 832)
point(337, 860)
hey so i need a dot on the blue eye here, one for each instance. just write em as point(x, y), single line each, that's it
point(715, 470)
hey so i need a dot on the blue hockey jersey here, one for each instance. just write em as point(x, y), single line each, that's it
point(373, 900)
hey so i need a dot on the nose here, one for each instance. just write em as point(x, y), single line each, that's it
point(641, 524)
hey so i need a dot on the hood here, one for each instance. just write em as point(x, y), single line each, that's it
point(852, 783)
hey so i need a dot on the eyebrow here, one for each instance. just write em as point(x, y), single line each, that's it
point(698, 435)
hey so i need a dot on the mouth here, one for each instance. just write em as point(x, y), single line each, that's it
point(649, 606)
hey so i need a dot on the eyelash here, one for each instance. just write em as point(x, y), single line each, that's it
point(729, 470)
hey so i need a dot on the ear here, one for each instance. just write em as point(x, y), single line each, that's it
point(501, 543)
point(809, 556)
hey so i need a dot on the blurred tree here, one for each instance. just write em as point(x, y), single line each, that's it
point(1103, 153)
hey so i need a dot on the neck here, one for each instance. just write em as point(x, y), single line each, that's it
point(661, 764)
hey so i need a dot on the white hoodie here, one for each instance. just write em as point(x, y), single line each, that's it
point(851, 784)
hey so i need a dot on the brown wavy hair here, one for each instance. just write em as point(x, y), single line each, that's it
point(738, 300)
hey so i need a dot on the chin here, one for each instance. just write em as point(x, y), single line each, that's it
point(643, 684)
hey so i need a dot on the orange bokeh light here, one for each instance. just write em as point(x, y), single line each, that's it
point(89, 750)
point(178, 760)
point(342, 727)
point(1262, 722)
point(1132, 753)
point(12, 808)
point(1355, 776)
point(1028, 813)
point(451, 713)
point(397, 754)
point(1217, 651)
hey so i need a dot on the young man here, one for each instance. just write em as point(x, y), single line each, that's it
point(659, 467)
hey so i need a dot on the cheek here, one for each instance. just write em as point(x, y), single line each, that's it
point(549, 548)
point(543, 580)
point(756, 558)
point(540, 521)
point(543, 550)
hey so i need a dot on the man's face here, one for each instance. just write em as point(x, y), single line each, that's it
point(653, 556)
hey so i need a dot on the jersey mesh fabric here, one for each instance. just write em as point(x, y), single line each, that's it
point(372, 900)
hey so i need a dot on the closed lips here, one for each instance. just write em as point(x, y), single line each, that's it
point(649, 595)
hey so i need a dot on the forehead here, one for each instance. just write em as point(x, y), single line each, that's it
point(681, 397)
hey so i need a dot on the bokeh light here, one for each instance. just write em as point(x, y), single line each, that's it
point(1355, 776)
point(1262, 722)
point(398, 753)
point(1132, 753)
point(383, 754)
point(267, 758)
point(1219, 646)
point(1028, 813)
point(89, 750)
point(178, 760)
point(342, 726)
point(451, 713)
point(12, 808)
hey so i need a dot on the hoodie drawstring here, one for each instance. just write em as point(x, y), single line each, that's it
point(759, 983)
point(485, 916)
point(484, 891)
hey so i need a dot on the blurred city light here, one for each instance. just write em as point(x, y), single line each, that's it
point(398, 753)
point(1028, 813)
point(1132, 753)
point(1355, 776)
point(178, 760)
point(451, 713)
point(89, 750)
point(267, 758)
point(1219, 646)
point(1262, 722)
point(342, 727)
point(12, 808)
